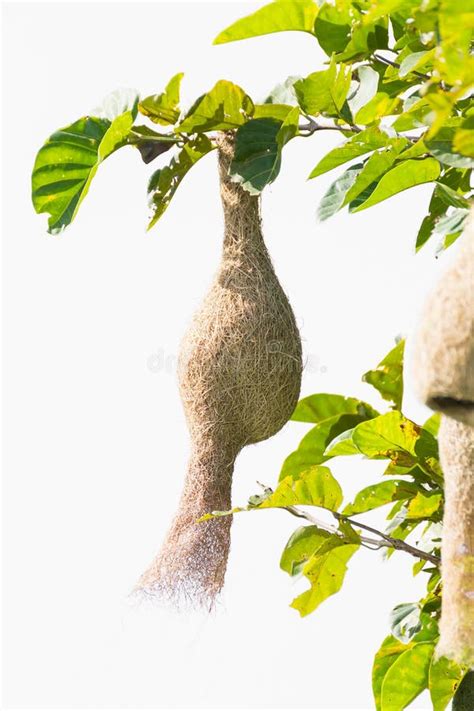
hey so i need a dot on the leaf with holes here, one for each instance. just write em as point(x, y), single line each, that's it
point(224, 107)
point(165, 181)
point(163, 108)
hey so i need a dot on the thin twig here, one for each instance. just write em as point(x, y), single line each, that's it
point(312, 127)
point(389, 63)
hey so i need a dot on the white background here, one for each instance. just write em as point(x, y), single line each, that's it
point(96, 442)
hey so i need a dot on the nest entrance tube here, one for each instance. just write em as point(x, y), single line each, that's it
point(240, 373)
point(444, 375)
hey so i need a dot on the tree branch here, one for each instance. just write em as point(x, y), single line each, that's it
point(373, 543)
point(311, 127)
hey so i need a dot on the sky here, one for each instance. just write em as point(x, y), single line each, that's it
point(96, 444)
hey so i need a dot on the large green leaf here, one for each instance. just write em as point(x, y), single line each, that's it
point(407, 677)
point(224, 107)
point(335, 196)
point(423, 506)
point(365, 38)
point(163, 108)
point(68, 161)
point(380, 494)
point(313, 446)
point(258, 149)
point(321, 406)
point(333, 28)
point(394, 437)
point(325, 571)
point(360, 144)
point(403, 176)
point(382, 104)
point(303, 543)
point(374, 167)
point(165, 181)
point(324, 92)
point(388, 653)
point(386, 435)
point(387, 377)
point(445, 677)
point(315, 486)
point(278, 16)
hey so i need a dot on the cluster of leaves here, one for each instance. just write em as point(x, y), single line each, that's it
point(396, 86)
point(412, 484)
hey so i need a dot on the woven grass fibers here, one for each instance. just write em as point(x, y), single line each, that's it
point(456, 442)
point(240, 373)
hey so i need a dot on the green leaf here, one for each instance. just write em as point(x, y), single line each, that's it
point(386, 435)
point(324, 92)
point(432, 424)
point(415, 61)
point(369, 81)
point(450, 197)
point(381, 494)
point(388, 653)
point(405, 621)
point(342, 445)
point(278, 16)
point(312, 448)
point(279, 112)
point(315, 486)
point(451, 225)
point(407, 677)
point(335, 196)
point(445, 194)
point(303, 544)
point(387, 377)
point(258, 150)
point(325, 571)
point(360, 144)
point(382, 104)
point(445, 677)
point(165, 181)
point(333, 28)
point(464, 696)
point(403, 176)
point(365, 38)
point(163, 108)
point(374, 167)
point(442, 148)
point(395, 437)
point(423, 506)
point(463, 141)
point(316, 408)
point(68, 161)
point(224, 107)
